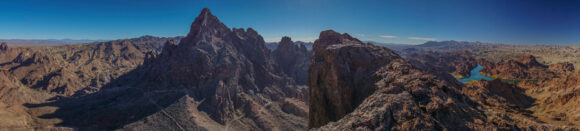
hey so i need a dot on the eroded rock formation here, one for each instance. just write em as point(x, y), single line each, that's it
point(215, 78)
point(362, 86)
point(293, 60)
point(527, 67)
point(357, 86)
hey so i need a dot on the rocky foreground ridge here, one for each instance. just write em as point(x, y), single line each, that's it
point(356, 86)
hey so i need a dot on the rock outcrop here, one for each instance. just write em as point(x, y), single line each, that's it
point(557, 100)
point(234, 74)
point(362, 86)
point(561, 68)
point(3, 46)
point(527, 67)
point(357, 86)
point(459, 63)
point(41, 74)
point(67, 69)
point(215, 78)
point(293, 60)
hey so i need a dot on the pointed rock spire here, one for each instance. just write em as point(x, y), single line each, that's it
point(206, 22)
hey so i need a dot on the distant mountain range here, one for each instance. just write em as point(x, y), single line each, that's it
point(47, 41)
point(386, 44)
point(73, 41)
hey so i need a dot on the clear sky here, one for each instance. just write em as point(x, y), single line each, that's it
point(404, 21)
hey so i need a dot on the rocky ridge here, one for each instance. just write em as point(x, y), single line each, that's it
point(527, 67)
point(362, 86)
point(39, 74)
point(356, 86)
point(293, 60)
point(215, 78)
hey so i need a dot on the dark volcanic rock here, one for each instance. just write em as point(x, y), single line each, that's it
point(293, 60)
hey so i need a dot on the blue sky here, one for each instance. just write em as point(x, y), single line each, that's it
point(404, 21)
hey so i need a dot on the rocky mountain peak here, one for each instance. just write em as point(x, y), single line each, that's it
point(285, 40)
point(286, 43)
point(231, 73)
point(3, 46)
point(330, 37)
point(207, 23)
point(293, 59)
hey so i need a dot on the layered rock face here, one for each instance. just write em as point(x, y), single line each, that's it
point(293, 60)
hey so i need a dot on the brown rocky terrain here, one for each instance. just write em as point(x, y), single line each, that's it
point(356, 86)
point(459, 63)
point(529, 87)
point(36, 74)
point(216, 78)
point(527, 68)
point(558, 99)
point(64, 70)
point(497, 52)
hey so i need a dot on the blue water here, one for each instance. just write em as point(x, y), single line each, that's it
point(475, 75)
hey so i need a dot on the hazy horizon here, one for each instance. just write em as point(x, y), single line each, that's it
point(402, 22)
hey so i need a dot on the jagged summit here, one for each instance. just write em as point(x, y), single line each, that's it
point(293, 59)
point(330, 37)
point(285, 39)
point(207, 23)
point(286, 42)
point(230, 72)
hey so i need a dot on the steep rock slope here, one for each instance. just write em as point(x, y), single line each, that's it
point(232, 72)
point(42, 74)
point(557, 100)
point(216, 78)
point(459, 63)
point(293, 59)
point(64, 70)
point(378, 90)
point(7, 54)
point(357, 86)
